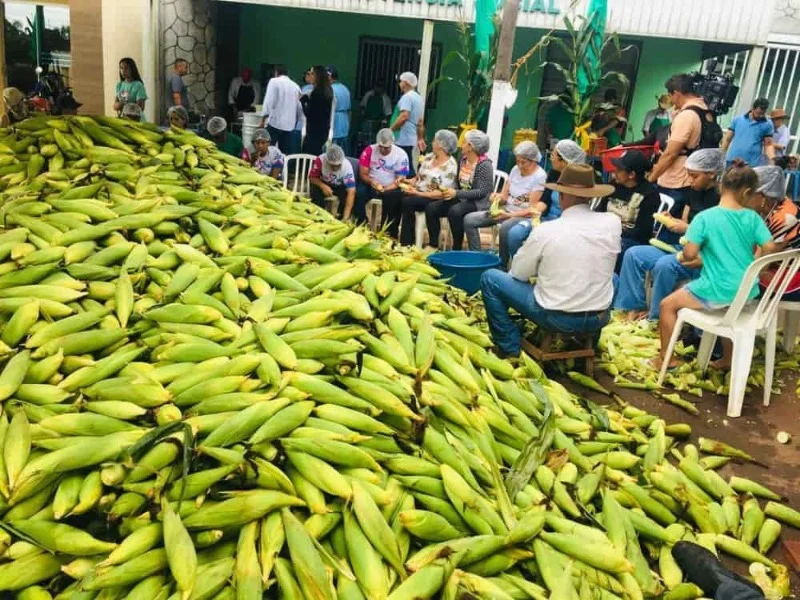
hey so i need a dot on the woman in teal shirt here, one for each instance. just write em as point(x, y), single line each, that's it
point(130, 89)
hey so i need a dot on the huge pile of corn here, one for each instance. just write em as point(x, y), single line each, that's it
point(212, 389)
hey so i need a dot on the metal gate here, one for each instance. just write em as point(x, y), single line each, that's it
point(778, 80)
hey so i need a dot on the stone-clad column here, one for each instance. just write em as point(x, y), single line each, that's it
point(188, 32)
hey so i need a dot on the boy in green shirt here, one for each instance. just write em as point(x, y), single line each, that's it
point(721, 240)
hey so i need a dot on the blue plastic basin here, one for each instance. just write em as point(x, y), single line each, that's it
point(464, 267)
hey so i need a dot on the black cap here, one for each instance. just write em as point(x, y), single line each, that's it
point(633, 161)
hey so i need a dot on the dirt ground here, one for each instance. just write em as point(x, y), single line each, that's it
point(755, 432)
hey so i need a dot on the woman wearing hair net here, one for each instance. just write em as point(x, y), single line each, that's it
point(437, 172)
point(266, 158)
point(382, 167)
point(226, 141)
point(782, 218)
point(332, 175)
point(519, 197)
point(178, 117)
point(704, 168)
point(475, 184)
point(565, 153)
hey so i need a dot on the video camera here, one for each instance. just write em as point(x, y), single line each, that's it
point(717, 89)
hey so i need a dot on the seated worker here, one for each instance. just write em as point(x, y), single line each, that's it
point(518, 200)
point(437, 173)
point(178, 117)
point(383, 166)
point(227, 142)
point(634, 200)
point(332, 175)
point(721, 241)
point(573, 260)
point(781, 216)
point(704, 168)
point(266, 159)
point(131, 112)
point(565, 153)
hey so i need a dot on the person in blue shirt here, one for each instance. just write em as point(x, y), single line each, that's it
point(341, 115)
point(409, 126)
point(749, 136)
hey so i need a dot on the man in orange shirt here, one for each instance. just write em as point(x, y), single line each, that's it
point(670, 171)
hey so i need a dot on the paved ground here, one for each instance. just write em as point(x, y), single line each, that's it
point(755, 432)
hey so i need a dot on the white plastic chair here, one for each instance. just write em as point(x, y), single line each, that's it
point(792, 321)
point(667, 203)
point(302, 166)
point(500, 178)
point(741, 322)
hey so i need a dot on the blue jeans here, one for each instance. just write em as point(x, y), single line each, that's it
point(343, 143)
point(665, 271)
point(515, 237)
point(501, 292)
point(282, 139)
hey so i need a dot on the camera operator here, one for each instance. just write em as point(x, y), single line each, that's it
point(685, 136)
point(749, 136)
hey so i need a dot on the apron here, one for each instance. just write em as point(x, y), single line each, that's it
point(245, 97)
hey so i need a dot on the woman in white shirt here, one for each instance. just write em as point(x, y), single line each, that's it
point(518, 198)
point(436, 173)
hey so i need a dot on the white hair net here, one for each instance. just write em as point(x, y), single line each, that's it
point(409, 78)
point(707, 160)
point(261, 134)
point(529, 150)
point(478, 140)
point(334, 155)
point(179, 111)
point(216, 125)
point(571, 152)
point(132, 111)
point(447, 140)
point(771, 182)
point(385, 137)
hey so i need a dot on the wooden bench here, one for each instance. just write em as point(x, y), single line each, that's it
point(545, 352)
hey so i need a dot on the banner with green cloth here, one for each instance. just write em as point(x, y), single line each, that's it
point(589, 68)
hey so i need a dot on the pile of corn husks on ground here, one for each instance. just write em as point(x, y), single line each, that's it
point(627, 347)
point(211, 389)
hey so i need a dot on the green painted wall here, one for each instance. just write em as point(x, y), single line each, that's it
point(301, 37)
point(660, 59)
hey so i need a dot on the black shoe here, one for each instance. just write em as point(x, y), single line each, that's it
point(704, 569)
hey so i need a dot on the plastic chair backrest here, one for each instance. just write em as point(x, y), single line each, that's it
point(356, 170)
point(302, 166)
point(667, 203)
point(788, 263)
point(500, 178)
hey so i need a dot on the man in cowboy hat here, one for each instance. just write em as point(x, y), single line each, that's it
point(782, 136)
point(573, 261)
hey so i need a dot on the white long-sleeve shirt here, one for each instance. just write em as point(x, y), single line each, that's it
point(572, 259)
point(282, 103)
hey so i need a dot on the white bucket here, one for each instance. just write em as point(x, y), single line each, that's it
point(250, 123)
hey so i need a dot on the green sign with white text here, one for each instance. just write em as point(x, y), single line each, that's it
point(548, 7)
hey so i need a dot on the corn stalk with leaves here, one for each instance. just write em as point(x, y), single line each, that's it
point(478, 69)
point(578, 46)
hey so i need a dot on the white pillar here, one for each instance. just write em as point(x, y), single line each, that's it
point(501, 92)
point(149, 62)
point(748, 88)
point(425, 61)
point(424, 71)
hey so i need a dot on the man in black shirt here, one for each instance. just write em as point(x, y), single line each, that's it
point(634, 201)
point(704, 168)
